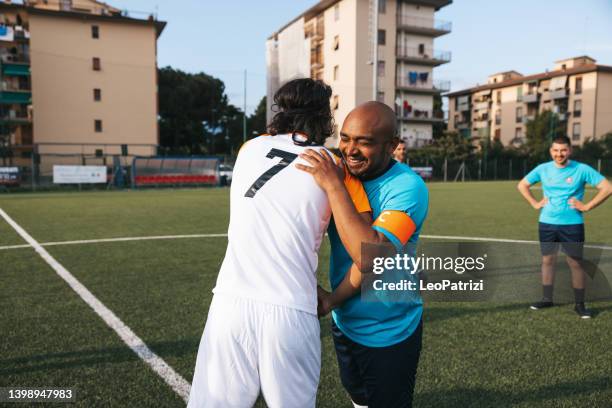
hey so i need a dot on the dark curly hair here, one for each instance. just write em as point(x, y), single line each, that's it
point(303, 106)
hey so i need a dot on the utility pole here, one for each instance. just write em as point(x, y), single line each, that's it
point(375, 56)
point(244, 132)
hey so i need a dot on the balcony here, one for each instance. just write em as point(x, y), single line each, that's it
point(559, 93)
point(481, 106)
point(15, 97)
point(422, 56)
point(422, 87)
point(13, 117)
point(421, 116)
point(463, 107)
point(528, 118)
point(423, 26)
point(480, 124)
point(463, 125)
point(12, 69)
point(530, 98)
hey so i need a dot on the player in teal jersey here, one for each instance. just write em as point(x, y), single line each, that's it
point(561, 216)
point(377, 343)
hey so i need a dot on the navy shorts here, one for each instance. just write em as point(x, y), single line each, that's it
point(569, 237)
point(379, 377)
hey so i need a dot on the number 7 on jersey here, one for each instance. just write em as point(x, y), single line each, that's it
point(286, 159)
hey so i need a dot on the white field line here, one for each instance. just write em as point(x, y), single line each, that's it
point(167, 373)
point(158, 237)
point(121, 239)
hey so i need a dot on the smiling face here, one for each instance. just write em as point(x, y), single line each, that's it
point(560, 153)
point(367, 140)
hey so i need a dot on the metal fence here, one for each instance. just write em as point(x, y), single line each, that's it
point(492, 169)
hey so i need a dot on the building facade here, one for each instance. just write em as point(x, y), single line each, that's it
point(334, 41)
point(578, 90)
point(77, 78)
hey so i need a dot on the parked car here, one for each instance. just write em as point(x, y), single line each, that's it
point(225, 174)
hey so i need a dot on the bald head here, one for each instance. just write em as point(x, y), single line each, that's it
point(368, 139)
point(375, 116)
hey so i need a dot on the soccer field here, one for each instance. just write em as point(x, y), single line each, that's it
point(474, 354)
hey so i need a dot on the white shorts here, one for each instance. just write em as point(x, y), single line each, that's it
point(248, 346)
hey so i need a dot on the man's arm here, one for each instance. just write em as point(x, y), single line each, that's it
point(605, 190)
point(524, 188)
point(349, 287)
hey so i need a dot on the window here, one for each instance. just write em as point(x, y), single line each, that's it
point(382, 6)
point(97, 66)
point(336, 12)
point(336, 72)
point(497, 134)
point(382, 37)
point(576, 131)
point(421, 49)
point(380, 96)
point(98, 125)
point(95, 31)
point(499, 97)
point(381, 68)
point(97, 94)
point(336, 43)
point(578, 85)
point(577, 108)
point(498, 118)
point(335, 102)
point(518, 133)
point(519, 94)
point(519, 114)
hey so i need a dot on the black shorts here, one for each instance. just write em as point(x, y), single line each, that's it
point(379, 377)
point(569, 237)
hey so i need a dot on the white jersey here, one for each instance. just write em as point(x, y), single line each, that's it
point(278, 216)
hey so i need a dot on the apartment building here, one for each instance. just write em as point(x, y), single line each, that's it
point(77, 77)
point(334, 41)
point(577, 89)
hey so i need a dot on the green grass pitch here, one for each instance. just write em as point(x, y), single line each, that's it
point(474, 354)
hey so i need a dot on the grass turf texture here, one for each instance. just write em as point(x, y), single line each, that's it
point(475, 354)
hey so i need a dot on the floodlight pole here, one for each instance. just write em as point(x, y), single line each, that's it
point(244, 121)
point(375, 56)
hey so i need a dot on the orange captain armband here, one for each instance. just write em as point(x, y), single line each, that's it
point(397, 223)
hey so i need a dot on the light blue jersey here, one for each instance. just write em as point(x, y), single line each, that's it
point(399, 192)
point(559, 185)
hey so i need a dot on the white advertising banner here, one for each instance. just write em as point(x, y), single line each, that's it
point(79, 174)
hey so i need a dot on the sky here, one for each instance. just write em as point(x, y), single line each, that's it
point(223, 38)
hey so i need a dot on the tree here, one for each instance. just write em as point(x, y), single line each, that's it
point(193, 112)
point(540, 132)
point(257, 121)
point(438, 128)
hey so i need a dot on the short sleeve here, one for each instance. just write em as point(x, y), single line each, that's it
point(355, 189)
point(357, 192)
point(403, 213)
point(534, 175)
point(592, 176)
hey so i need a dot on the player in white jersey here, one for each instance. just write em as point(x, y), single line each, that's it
point(262, 331)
